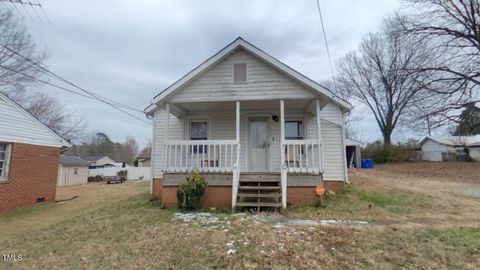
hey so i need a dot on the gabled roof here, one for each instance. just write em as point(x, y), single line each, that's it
point(350, 142)
point(454, 140)
point(229, 49)
point(18, 125)
point(73, 161)
point(94, 158)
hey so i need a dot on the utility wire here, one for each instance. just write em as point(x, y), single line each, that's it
point(107, 101)
point(96, 96)
point(68, 90)
point(325, 39)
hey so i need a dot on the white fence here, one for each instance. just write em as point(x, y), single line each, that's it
point(133, 173)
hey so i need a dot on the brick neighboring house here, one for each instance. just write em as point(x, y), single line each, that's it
point(29, 158)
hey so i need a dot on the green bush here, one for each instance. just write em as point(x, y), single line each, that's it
point(400, 152)
point(190, 192)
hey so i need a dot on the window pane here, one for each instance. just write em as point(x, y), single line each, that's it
point(2, 156)
point(3, 147)
point(198, 130)
point(294, 130)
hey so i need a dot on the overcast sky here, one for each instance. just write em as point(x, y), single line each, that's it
point(129, 51)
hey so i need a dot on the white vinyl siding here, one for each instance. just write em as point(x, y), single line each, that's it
point(19, 126)
point(264, 82)
point(332, 141)
point(222, 127)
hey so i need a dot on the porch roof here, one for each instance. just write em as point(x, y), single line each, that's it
point(297, 104)
point(236, 44)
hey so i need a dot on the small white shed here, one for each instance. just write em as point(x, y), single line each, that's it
point(73, 171)
point(450, 148)
point(353, 152)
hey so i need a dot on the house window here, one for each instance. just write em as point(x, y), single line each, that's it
point(4, 159)
point(239, 72)
point(198, 131)
point(294, 130)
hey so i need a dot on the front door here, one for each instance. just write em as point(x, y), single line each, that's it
point(258, 144)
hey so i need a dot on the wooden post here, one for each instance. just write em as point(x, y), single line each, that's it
point(282, 131)
point(319, 135)
point(167, 148)
point(237, 122)
point(283, 169)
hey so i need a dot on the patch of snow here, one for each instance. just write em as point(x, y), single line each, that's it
point(280, 221)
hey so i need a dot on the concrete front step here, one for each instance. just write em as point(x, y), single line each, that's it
point(259, 204)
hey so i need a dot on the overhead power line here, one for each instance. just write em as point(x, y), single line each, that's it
point(33, 5)
point(88, 94)
point(325, 39)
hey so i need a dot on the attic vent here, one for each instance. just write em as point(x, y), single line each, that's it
point(239, 72)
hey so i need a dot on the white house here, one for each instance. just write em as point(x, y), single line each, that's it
point(73, 171)
point(261, 133)
point(450, 147)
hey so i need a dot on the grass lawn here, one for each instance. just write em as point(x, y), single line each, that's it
point(417, 223)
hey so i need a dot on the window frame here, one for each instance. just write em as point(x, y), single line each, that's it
point(202, 149)
point(5, 171)
point(233, 72)
point(298, 137)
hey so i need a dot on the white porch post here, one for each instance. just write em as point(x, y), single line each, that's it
point(236, 165)
point(167, 124)
point(319, 135)
point(237, 122)
point(282, 131)
point(283, 168)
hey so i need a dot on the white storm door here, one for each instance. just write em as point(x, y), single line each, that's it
point(258, 145)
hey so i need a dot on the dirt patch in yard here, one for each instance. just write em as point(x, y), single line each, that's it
point(468, 172)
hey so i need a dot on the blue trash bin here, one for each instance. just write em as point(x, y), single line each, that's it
point(367, 163)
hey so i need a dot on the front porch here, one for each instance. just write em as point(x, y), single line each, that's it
point(279, 137)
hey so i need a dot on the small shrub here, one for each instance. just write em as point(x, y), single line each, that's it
point(381, 153)
point(190, 192)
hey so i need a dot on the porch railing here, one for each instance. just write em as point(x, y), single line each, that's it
point(302, 156)
point(201, 155)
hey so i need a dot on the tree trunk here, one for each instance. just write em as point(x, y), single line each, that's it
point(387, 140)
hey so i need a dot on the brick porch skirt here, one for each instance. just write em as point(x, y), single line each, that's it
point(221, 196)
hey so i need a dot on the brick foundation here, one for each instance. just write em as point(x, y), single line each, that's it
point(32, 174)
point(335, 186)
point(221, 196)
point(301, 195)
point(217, 196)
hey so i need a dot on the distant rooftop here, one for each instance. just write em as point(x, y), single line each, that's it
point(72, 161)
point(93, 158)
point(455, 140)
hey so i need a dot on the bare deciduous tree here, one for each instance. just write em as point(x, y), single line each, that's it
point(127, 151)
point(49, 111)
point(14, 35)
point(452, 31)
point(18, 74)
point(382, 76)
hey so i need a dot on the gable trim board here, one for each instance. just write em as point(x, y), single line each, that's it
point(11, 111)
point(228, 50)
